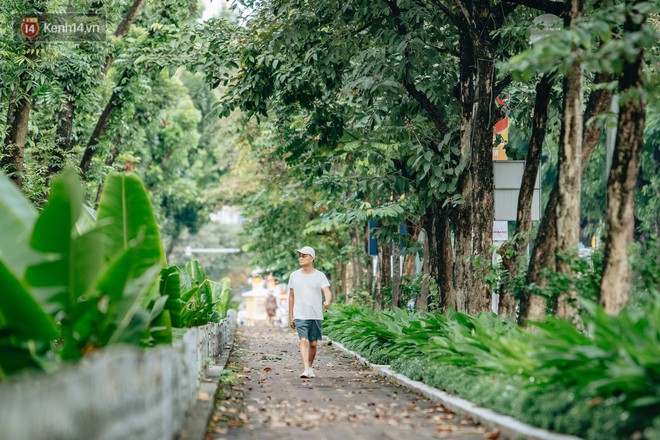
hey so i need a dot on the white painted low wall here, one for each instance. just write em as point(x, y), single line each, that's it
point(121, 392)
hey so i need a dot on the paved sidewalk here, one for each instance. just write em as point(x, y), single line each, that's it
point(345, 401)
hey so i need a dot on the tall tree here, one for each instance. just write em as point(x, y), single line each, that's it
point(617, 274)
point(20, 105)
point(513, 251)
point(569, 173)
point(76, 87)
point(533, 307)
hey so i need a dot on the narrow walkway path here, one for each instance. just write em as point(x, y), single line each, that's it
point(268, 399)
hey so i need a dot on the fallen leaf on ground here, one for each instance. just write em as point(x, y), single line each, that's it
point(444, 428)
point(493, 435)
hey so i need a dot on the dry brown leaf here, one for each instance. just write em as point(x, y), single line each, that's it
point(444, 428)
point(493, 435)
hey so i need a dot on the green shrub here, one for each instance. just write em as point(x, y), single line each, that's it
point(74, 280)
point(378, 331)
point(555, 377)
point(192, 298)
point(554, 408)
point(645, 260)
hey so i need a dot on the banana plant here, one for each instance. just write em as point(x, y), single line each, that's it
point(98, 280)
point(22, 319)
point(194, 299)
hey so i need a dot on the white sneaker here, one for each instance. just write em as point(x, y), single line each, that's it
point(305, 375)
point(310, 373)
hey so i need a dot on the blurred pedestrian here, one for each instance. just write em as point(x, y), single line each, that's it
point(271, 308)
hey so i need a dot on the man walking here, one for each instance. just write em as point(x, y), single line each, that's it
point(307, 287)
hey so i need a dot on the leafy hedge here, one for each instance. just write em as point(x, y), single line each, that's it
point(601, 384)
point(74, 280)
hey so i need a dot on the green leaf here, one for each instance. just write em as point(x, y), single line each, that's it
point(158, 307)
point(196, 272)
point(87, 220)
point(170, 287)
point(161, 329)
point(74, 261)
point(16, 223)
point(53, 229)
point(20, 312)
point(14, 359)
point(62, 280)
point(131, 303)
point(125, 205)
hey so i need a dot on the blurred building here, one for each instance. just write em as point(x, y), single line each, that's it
point(227, 215)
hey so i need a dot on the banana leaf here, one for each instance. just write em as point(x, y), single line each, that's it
point(16, 223)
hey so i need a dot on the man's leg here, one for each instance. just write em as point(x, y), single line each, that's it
point(305, 353)
point(312, 352)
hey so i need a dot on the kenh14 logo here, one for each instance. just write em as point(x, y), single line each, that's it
point(30, 27)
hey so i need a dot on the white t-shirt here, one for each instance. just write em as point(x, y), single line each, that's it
point(308, 294)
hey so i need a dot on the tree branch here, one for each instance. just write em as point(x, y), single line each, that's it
point(456, 19)
point(501, 10)
point(433, 111)
point(549, 6)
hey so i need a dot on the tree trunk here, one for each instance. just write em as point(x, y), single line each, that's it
point(384, 272)
point(511, 260)
point(410, 257)
point(443, 271)
point(462, 214)
point(174, 239)
point(356, 282)
point(18, 118)
point(131, 15)
point(409, 265)
point(370, 287)
point(423, 300)
point(463, 269)
point(474, 219)
point(396, 272)
point(102, 126)
point(534, 307)
point(616, 281)
point(569, 176)
point(483, 183)
point(62, 138)
point(108, 162)
point(340, 270)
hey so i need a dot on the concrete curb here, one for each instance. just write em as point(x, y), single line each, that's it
point(507, 425)
point(198, 417)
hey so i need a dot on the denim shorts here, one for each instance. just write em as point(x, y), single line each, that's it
point(309, 329)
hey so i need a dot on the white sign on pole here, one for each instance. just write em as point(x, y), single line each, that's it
point(500, 230)
point(508, 177)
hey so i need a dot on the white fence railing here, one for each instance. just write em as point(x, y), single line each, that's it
point(121, 392)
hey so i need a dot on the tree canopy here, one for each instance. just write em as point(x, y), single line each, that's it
point(321, 118)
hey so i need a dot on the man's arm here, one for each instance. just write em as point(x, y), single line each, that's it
point(291, 300)
point(328, 297)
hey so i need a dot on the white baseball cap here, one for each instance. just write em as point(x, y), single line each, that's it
point(307, 250)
